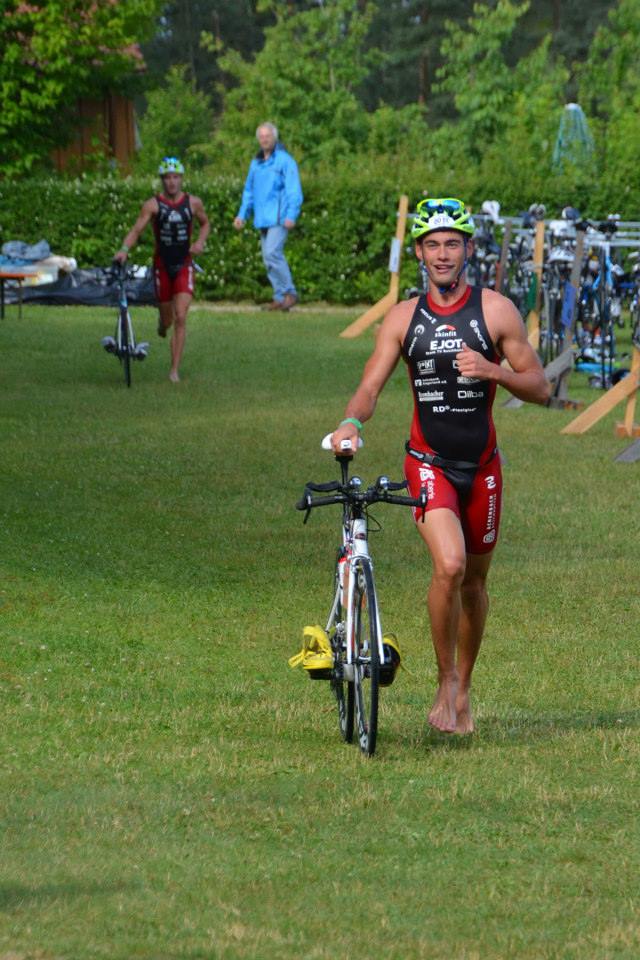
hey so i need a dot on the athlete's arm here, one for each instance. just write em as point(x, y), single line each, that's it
point(198, 211)
point(149, 210)
point(377, 371)
point(525, 379)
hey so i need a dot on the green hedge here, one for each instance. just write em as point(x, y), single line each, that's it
point(338, 252)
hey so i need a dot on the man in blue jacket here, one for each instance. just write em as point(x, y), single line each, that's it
point(273, 193)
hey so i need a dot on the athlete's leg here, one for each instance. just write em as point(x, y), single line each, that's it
point(164, 297)
point(473, 615)
point(165, 318)
point(181, 303)
point(442, 533)
point(480, 518)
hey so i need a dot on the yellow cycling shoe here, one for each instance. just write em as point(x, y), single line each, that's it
point(392, 658)
point(316, 656)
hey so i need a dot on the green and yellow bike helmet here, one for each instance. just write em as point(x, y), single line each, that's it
point(170, 165)
point(445, 213)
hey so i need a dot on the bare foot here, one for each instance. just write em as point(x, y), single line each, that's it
point(442, 715)
point(173, 376)
point(464, 717)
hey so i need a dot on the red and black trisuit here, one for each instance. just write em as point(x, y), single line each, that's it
point(452, 448)
point(172, 264)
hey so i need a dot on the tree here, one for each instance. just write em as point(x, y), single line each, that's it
point(177, 117)
point(409, 34)
point(232, 24)
point(476, 73)
point(304, 80)
point(610, 94)
point(54, 51)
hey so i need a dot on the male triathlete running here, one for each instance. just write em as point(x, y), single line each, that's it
point(171, 213)
point(452, 341)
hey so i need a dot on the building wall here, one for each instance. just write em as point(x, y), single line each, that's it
point(105, 127)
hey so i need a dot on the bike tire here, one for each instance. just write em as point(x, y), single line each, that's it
point(343, 689)
point(125, 354)
point(366, 657)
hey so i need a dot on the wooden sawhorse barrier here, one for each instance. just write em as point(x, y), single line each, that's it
point(391, 298)
point(624, 389)
point(557, 373)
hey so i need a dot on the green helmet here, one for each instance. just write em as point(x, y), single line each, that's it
point(441, 214)
point(170, 165)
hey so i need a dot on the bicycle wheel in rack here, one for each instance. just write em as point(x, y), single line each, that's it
point(125, 351)
point(366, 657)
point(342, 687)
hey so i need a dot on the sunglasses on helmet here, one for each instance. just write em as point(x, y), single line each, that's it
point(441, 205)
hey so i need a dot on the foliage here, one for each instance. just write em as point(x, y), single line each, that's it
point(610, 86)
point(409, 33)
point(475, 72)
point(304, 80)
point(177, 40)
point(177, 117)
point(338, 250)
point(52, 53)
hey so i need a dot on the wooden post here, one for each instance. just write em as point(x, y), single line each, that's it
point(574, 279)
point(533, 320)
point(504, 255)
point(391, 298)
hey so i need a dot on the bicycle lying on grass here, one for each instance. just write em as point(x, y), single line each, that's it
point(123, 344)
point(352, 652)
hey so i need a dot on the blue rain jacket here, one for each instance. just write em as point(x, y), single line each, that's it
point(272, 191)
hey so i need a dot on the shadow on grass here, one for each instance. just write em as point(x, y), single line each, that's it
point(16, 895)
point(522, 730)
point(527, 729)
point(509, 731)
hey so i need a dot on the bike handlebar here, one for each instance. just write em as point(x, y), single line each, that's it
point(119, 272)
point(353, 495)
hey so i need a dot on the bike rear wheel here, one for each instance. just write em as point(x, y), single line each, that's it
point(343, 689)
point(366, 657)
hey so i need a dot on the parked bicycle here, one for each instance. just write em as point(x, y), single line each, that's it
point(558, 296)
point(362, 659)
point(599, 303)
point(123, 345)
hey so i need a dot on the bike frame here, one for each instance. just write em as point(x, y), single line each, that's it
point(356, 553)
point(124, 322)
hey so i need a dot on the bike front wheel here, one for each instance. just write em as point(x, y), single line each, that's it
point(366, 657)
point(125, 347)
point(343, 688)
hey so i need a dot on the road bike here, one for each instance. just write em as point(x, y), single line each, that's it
point(363, 659)
point(123, 344)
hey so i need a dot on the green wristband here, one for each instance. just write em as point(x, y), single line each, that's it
point(124, 248)
point(352, 420)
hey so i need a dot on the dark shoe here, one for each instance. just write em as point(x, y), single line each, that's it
point(274, 305)
point(289, 301)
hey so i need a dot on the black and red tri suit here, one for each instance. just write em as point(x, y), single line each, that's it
point(172, 264)
point(452, 447)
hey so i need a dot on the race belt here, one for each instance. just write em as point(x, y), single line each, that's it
point(436, 461)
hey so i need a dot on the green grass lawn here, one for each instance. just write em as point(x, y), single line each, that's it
point(171, 790)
